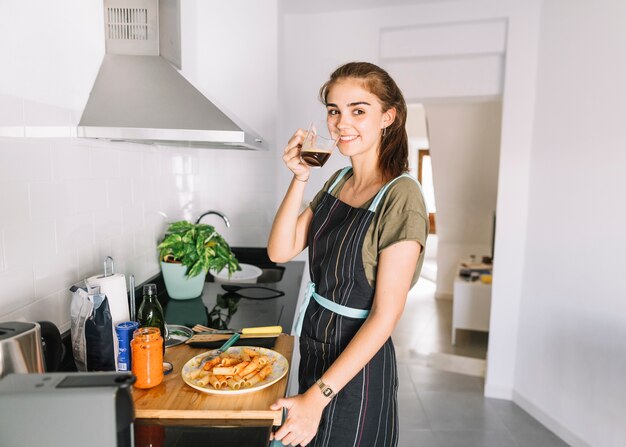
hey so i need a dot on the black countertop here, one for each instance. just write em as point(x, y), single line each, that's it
point(271, 312)
point(249, 312)
point(278, 311)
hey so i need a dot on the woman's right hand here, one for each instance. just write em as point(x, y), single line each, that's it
point(291, 156)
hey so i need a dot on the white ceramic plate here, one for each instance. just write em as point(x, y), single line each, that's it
point(247, 275)
point(279, 369)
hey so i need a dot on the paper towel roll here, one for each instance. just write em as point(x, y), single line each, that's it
point(114, 287)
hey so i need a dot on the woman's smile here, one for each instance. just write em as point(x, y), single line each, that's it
point(344, 139)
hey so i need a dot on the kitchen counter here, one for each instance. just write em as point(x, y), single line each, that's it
point(173, 411)
point(174, 399)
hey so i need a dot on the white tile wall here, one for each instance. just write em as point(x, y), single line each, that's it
point(66, 204)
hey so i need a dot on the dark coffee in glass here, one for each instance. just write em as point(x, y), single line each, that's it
point(314, 157)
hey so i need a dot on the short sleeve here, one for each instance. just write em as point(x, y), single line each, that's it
point(403, 215)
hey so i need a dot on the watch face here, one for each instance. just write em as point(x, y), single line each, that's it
point(327, 392)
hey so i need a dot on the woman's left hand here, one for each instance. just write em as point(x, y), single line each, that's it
point(304, 413)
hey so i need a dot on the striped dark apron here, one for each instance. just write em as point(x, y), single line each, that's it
point(365, 411)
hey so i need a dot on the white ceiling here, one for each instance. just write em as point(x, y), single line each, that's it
point(313, 6)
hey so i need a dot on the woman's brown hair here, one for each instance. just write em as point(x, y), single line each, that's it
point(393, 158)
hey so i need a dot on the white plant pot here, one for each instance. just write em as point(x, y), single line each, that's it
point(178, 286)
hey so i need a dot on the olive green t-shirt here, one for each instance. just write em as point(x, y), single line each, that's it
point(401, 216)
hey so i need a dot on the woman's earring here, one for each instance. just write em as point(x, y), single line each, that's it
point(384, 131)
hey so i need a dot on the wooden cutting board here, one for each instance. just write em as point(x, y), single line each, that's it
point(174, 399)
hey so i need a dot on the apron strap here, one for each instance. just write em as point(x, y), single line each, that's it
point(383, 190)
point(343, 172)
point(328, 304)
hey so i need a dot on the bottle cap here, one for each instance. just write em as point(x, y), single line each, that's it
point(149, 289)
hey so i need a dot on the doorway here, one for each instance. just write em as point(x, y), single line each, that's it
point(454, 150)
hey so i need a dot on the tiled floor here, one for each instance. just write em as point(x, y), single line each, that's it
point(445, 409)
point(426, 327)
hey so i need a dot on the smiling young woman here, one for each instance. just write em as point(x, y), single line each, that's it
point(365, 231)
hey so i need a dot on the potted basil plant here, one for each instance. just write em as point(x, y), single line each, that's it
point(187, 253)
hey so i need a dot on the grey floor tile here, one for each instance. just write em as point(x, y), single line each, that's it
point(417, 438)
point(527, 431)
point(536, 439)
point(459, 411)
point(474, 438)
point(429, 379)
point(412, 415)
point(405, 385)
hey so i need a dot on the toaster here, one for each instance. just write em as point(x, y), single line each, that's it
point(29, 347)
point(20, 348)
point(66, 410)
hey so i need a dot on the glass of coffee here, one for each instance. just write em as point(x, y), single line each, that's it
point(318, 144)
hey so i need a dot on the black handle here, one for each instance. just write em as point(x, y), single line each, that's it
point(262, 293)
point(53, 346)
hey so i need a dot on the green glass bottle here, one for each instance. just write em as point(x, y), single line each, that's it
point(150, 312)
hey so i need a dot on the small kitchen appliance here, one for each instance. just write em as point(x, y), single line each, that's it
point(21, 347)
point(66, 410)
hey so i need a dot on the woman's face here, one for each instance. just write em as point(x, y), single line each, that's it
point(356, 115)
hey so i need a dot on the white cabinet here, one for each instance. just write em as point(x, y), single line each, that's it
point(471, 306)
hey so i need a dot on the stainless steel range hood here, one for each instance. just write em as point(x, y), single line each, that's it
point(139, 96)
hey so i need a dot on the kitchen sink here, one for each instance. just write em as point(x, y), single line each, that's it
point(271, 272)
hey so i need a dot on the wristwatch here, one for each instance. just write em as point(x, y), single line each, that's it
point(326, 390)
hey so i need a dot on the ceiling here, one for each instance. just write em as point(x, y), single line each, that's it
point(309, 6)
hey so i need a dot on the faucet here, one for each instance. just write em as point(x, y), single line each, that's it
point(224, 218)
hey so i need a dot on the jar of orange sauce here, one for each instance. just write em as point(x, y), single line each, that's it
point(147, 351)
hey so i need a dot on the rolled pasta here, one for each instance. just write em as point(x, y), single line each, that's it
point(214, 381)
point(252, 366)
point(235, 382)
point(260, 376)
point(251, 375)
point(202, 381)
point(232, 370)
point(239, 367)
point(230, 361)
point(223, 381)
point(225, 371)
point(195, 373)
point(250, 352)
point(211, 363)
point(263, 360)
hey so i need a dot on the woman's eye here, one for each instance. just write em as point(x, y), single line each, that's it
point(333, 112)
point(359, 112)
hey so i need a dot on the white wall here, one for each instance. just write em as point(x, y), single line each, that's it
point(51, 51)
point(66, 203)
point(465, 152)
point(571, 360)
